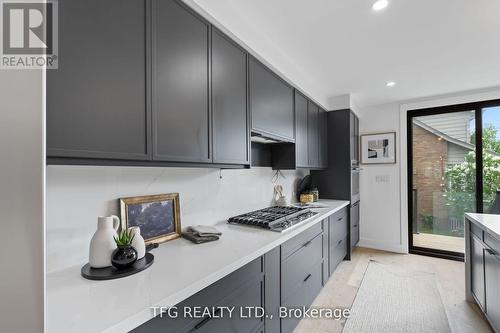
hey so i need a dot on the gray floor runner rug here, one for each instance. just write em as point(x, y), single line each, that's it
point(391, 299)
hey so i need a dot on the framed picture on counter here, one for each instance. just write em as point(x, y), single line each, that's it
point(378, 148)
point(158, 216)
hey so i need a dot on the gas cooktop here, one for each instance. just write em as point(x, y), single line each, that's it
point(274, 218)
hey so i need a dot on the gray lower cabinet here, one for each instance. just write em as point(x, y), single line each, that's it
point(337, 239)
point(477, 270)
point(231, 135)
point(242, 288)
point(492, 277)
point(313, 134)
point(180, 81)
point(290, 276)
point(271, 103)
point(97, 105)
point(354, 224)
point(301, 272)
point(304, 295)
point(483, 271)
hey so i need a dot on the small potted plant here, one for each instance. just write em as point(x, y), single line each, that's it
point(125, 255)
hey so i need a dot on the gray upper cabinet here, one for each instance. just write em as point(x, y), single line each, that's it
point(354, 137)
point(313, 134)
point(301, 148)
point(271, 103)
point(180, 89)
point(323, 139)
point(97, 104)
point(310, 134)
point(231, 135)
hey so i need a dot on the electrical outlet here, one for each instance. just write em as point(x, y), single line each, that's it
point(382, 179)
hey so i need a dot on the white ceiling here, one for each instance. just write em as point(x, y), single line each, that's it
point(334, 47)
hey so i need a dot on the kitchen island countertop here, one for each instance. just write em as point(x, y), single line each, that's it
point(489, 222)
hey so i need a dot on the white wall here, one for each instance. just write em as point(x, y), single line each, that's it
point(261, 47)
point(380, 226)
point(384, 207)
point(76, 195)
point(21, 201)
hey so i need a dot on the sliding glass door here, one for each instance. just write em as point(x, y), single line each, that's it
point(491, 156)
point(453, 168)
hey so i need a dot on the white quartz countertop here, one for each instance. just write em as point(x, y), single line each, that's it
point(489, 222)
point(181, 269)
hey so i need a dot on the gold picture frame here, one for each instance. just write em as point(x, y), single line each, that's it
point(152, 214)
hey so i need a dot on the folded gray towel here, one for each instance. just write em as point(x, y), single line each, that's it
point(197, 239)
point(204, 230)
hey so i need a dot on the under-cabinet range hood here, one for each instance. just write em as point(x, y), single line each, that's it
point(261, 138)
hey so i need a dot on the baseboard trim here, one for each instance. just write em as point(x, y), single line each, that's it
point(377, 245)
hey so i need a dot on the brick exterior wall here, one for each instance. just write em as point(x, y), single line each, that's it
point(429, 164)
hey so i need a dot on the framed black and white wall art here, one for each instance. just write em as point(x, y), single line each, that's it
point(378, 148)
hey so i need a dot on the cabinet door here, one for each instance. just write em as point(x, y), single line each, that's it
point(313, 134)
point(352, 136)
point(492, 292)
point(97, 98)
point(229, 100)
point(271, 103)
point(323, 139)
point(301, 146)
point(337, 239)
point(241, 288)
point(356, 138)
point(354, 224)
point(477, 270)
point(180, 99)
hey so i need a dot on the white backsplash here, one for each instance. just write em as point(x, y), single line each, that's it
point(76, 195)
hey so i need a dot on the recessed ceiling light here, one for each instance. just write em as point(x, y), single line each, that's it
point(380, 4)
point(390, 84)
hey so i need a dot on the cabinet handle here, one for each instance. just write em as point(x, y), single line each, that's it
point(490, 251)
point(340, 241)
point(206, 320)
point(340, 218)
point(355, 226)
point(307, 277)
point(306, 244)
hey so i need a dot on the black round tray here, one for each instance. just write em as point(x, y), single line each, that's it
point(110, 273)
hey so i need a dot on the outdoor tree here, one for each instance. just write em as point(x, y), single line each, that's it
point(461, 178)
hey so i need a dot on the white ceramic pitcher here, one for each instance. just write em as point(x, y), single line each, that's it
point(103, 243)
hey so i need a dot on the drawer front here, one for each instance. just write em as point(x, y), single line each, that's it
point(304, 295)
point(476, 230)
point(337, 254)
point(210, 296)
point(492, 242)
point(246, 296)
point(354, 235)
point(338, 228)
point(296, 267)
point(339, 215)
point(298, 241)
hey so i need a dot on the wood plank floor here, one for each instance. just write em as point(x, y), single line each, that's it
point(341, 289)
point(440, 242)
